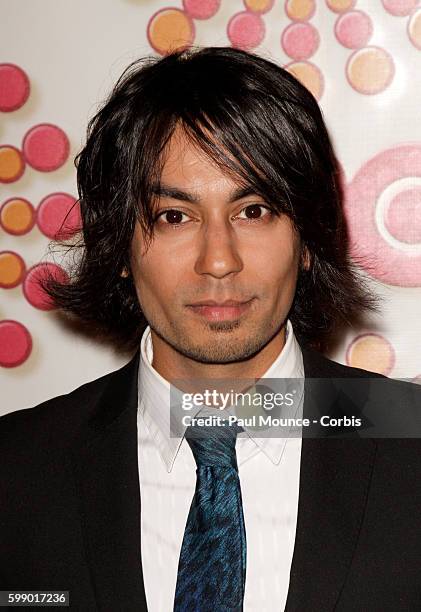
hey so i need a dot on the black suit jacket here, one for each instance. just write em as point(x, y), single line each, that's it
point(70, 506)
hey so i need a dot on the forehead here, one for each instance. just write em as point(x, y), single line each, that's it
point(186, 164)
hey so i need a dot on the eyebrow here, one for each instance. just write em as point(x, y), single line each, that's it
point(178, 194)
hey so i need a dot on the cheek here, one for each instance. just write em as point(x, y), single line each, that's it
point(157, 274)
point(276, 265)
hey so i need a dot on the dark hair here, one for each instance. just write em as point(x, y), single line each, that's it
point(255, 120)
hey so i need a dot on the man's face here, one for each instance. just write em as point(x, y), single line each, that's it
point(213, 243)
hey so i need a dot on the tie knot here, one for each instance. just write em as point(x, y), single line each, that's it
point(213, 445)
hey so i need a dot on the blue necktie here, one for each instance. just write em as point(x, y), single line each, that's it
point(212, 566)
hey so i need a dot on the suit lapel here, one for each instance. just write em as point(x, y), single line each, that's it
point(334, 482)
point(106, 473)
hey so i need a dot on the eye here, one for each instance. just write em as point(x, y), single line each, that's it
point(254, 212)
point(172, 216)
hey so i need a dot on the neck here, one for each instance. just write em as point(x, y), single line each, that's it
point(172, 365)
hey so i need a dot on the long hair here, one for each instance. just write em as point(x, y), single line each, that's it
point(257, 122)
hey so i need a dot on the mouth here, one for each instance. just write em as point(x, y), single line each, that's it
point(223, 311)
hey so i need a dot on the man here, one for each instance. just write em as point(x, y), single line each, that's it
point(214, 243)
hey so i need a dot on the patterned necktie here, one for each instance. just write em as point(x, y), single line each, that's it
point(212, 566)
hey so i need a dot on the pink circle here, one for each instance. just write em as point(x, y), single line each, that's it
point(33, 291)
point(246, 30)
point(378, 257)
point(403, 216)
point(58, 216)
point(15, 343)
point(201, 9)
point(45, 147)
point(300, 40)
point(399, 8)
point(353, 29)
point(14, 87)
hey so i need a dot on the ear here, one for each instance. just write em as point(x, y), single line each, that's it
point(305, 259)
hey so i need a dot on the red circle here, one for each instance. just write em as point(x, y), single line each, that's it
point(32, 290)
point(246, 30)
point(14, 87)
point(58, 215)
point(15, 343)
point(201, 9)
point(45, 147)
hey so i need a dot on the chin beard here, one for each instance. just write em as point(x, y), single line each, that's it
point(223, 349)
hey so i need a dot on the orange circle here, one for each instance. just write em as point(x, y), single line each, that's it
point(258, 6)
point(12, 269)
point(170, 29)
point(340, 6)
point(300, 10)
point(371, 352)
point(309, 75)
point(11, 164)
point(414, 29)
point(370, 70)
point(17, 216)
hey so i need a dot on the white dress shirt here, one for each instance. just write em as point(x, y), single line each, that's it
point(269, 470)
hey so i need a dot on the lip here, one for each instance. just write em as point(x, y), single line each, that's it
point(220, 311)
point(215, 303)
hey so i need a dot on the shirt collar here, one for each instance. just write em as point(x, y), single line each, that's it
point(155, 400)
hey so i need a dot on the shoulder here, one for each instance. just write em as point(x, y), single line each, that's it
point(38, 445)
point(390, 407)
point(402, 393)
point(63, 416)
point(320, 366)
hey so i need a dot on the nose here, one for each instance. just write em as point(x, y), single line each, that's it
point(218, 250)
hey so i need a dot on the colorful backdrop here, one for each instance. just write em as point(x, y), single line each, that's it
point(360, 58)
